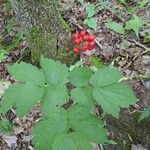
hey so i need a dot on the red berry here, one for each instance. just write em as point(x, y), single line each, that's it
point(91, 44)
point(85, 38)
point(75, 35)
point(76, 50)
point(82, 33)
point(77, 41)
point(84, 48)
point(91, 37)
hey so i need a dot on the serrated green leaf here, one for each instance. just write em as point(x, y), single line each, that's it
point(145, 114)
point(134, 24)
point(147, 38)
point(92, 128)
point(26, 73)
point(47, 129)
point(91, 22)
point(10, 97)
point(80, 76)
point(71, 141)
point(87, 125)
point(5, 126)
point(78, 109)
point(142, 3)
point(105, 76)
point(29, 96)
point(102, 4)
point(81, 1)
point(109, 93)
point(90, 9)
point(97, 62)
point(115, 27)
point(21, 96)
point(2, 56)
point(83, 96)
point(53, 97)
point(55, 73)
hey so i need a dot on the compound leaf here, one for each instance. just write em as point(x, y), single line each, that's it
point(48, 128)
point(80, 76)
point(61, 127)
point(109, 93)
point(87, 125)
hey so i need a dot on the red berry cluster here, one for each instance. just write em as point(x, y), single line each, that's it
point(82, 41)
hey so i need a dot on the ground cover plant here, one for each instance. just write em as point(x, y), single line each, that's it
point(75, 76)
point(74, 127)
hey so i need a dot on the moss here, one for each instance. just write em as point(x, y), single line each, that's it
point(41, 42)
point(44, 43)
point(50, 35)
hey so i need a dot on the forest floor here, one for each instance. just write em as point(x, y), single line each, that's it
point(127, 52)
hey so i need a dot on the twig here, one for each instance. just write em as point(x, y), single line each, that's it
point(146, 49)
point(135, 77)
point(139, 44)
point(114, 15)
point(100, 146)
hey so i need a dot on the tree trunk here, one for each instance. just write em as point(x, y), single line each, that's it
point(47, 33)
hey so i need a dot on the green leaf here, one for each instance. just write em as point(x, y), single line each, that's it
point(142, 3)
point(115, 27)
point(26, 73)
point(91, 22)
point(83, 96)
point(147, 38)
point(10, 97)
point(134, 24)
point(61, 127)
point(145, 114)
point(48, 128)
point(81, 1)
point(105, 76)
point(102, 4)
point(29, 96)
point(97, 62)
point(78, 109)
point(71, 141)
point(90, 9)
point(53, 97)
point(87, 125)
point(2, 56)
point(21, 96)
point(55, 73)
point(80, 77)
point(5, 126)
point(109, 93)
